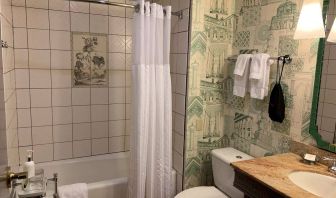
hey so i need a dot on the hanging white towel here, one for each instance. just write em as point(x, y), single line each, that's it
point(241, 74)
point(259, 75)
point(79, 190)
point(258, 65)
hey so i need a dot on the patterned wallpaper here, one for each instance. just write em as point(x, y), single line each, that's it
point(215, 117)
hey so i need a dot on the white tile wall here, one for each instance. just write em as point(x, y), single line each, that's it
point(56, 120)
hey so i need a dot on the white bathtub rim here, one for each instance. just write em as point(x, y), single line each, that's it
point(84, 159)
point(121, 180)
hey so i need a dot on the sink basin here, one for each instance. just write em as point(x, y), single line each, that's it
point(317, 184)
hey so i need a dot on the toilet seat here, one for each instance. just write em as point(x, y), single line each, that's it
point(201, 192)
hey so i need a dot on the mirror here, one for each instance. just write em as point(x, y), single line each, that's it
point(323, 114)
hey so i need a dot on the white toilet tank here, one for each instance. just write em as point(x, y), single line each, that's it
point(222, 171)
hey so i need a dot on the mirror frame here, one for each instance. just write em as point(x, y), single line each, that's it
point(313, 128)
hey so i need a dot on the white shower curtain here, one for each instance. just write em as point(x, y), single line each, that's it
point(151, 138)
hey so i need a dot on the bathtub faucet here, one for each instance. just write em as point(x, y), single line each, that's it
point(55, 180)
point(9, 176)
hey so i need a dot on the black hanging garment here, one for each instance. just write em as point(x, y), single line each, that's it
point(276, 108)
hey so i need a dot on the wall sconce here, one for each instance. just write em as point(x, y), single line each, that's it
point(310, 24)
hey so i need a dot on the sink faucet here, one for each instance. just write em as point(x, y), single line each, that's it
point(331, 168)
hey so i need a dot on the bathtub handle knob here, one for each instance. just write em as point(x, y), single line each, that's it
point(55, 180)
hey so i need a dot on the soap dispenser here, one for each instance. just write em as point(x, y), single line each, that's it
point(29, 166)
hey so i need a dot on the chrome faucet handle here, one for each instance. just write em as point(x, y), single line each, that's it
point(331, 168)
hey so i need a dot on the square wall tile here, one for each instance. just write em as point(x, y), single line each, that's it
point(37, 4)
point(80, 22)
point(62, 133)
point(117, 128)
point(24, 117)
point(37, 18)
point(42, 135)
point(127, 143)
point(62, 115)
point(98, 9)
point(99, 113)
point(80, 96)
point(82, 148)
point(25, 136)
point(177, 162)
point(128, 44)
point(129, 127)
point(117, 25)
point(40, 78)
point(82, 131)
point(22, 78)
point(60, 59)
point(79, 7)
point(20, 38)
point(19, 16)
point(117, 111)
point(128, 113)
point(41, 116)
point(81, 114)
point(61, 97)
point(128, 95)
point(99, 95)
point(18, 2)
point(129, 27)
point(98, 24)
point(22, 98)
point(21, 58)
point(40, 97)
point(117, 95)
point(60, 40)
point(117, 11)
point(117, 144)
point(117, 79)
point(99, 129)
point(38, 39)
point(59, 20)
point(180, 104)
point(61, 78)
point(39, 59)
point(99, 146)
point(43, 153)
point(117, 43)
point(62, 150)
point(59, 5)
point(117, 61)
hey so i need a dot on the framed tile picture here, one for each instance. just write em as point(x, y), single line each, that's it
point(89, 59)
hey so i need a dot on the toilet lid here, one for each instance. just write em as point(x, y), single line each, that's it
point(201, 192)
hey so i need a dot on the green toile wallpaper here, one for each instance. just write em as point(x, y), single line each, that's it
point(216, 118)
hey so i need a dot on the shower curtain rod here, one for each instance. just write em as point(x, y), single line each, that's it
point(179, 14)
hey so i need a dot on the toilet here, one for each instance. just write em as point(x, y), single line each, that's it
point(223, 176)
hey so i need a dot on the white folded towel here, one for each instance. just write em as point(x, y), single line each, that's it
point(241, 72)
point(79, 190)
point(258, 65)
point(259, 75)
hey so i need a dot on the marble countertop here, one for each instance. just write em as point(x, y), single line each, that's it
point(273, 172)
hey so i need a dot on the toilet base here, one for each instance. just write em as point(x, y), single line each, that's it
point(202, 192)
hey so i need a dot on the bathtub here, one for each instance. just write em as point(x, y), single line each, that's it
point(106, 175)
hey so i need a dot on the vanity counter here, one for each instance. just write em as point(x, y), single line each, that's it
point(273, 172)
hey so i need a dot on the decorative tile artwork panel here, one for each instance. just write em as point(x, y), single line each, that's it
point(215, 117)
point(89, 59)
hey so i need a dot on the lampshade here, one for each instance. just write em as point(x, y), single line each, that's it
point(310, 24)
point(332, 34)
